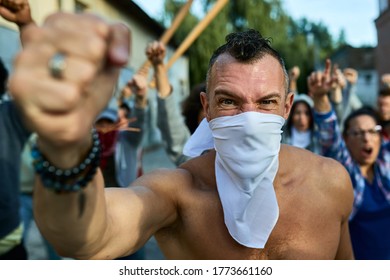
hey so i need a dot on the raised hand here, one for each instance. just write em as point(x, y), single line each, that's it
point(139, 87)
point(338, 84)
point(156, 52)
point(338, 79)
point(385, 79)
point(320, 84)
point(61, 102)
point(294, 73)
point(351, 75)
point(16, 11)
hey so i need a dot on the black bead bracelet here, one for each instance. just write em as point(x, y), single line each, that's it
point(67, 180)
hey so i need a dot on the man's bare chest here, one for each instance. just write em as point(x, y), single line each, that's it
point(201, 233)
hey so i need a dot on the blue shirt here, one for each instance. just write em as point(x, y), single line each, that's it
point(13, 135)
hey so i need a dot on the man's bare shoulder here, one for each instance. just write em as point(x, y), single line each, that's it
point(165, 178)
point(201, 169)
point(325, 176)
point(191, 174)
point(304, 159)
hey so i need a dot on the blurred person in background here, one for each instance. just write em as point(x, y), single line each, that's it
point(367, 159)
point(175, 125)
point(299, 130)
point(14, 136)
point(383, 103)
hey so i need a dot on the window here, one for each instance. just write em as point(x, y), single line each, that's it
point(368, 78)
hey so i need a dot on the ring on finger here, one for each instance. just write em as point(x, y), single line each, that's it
point(57, 65)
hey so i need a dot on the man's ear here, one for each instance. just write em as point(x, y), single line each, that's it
point(288, 105)
point(205, 103)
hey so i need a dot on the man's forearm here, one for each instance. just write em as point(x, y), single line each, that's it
point(76, 220)
point(73, 198)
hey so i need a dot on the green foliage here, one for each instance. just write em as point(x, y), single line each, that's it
point(302, 43)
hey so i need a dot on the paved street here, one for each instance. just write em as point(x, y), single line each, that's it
point(152, 159)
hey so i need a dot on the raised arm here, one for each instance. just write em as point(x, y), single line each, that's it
point(293, 75)
point(319, 85)
point(170, 121)
point(156, 53)
point(61, 105)
point(18, 12)
point(336, 92)
point(137, 87)
point(351, 76)
point(385, 80)
point(329, 134)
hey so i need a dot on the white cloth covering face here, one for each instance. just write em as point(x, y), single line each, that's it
point(247, 148)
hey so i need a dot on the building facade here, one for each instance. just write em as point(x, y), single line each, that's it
point(362, 60)
point(382, 24)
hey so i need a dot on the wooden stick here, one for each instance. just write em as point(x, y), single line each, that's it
point(168, 34)
point(176, 22)
point(198, 29)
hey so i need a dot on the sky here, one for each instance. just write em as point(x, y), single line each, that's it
point(355, 17)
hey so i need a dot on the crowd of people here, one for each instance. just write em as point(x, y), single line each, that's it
point(263, 171)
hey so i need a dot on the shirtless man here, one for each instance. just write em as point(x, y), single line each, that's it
point(182, 207)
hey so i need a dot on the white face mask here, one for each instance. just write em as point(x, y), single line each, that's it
point(247, 147)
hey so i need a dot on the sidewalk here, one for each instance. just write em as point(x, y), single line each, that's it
point(153, 158)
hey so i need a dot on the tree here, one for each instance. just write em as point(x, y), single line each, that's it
point(290, 38)
point(341, 40)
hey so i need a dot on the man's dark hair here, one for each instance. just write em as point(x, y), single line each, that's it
point(384, 92)
point(126, 107)
point(247, 47)
point(363, 111)
point(3, 78)
point(192, 106)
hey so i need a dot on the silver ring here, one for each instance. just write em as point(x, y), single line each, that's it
point(57, 65)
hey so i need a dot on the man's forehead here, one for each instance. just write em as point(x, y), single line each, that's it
point(226, 59)
point(227, 67)
point(363, 120)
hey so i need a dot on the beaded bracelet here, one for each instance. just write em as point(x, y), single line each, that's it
point(68, 180)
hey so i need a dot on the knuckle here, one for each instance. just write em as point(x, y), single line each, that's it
point(72, 96)
point(55, 17)
point(26, 57)
point(96, 48)
point(88, 74)
point(31, 33)
point(16, 84)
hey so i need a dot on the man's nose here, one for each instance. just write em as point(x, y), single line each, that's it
point(249, 107)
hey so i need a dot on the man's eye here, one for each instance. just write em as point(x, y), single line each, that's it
point(227, 101)
point(268, 102)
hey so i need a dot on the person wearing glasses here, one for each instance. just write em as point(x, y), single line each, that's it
point(366, 157)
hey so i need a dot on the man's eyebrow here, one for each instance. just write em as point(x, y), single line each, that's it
point(224, 92)
point(228, 93)
point(271, 95)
